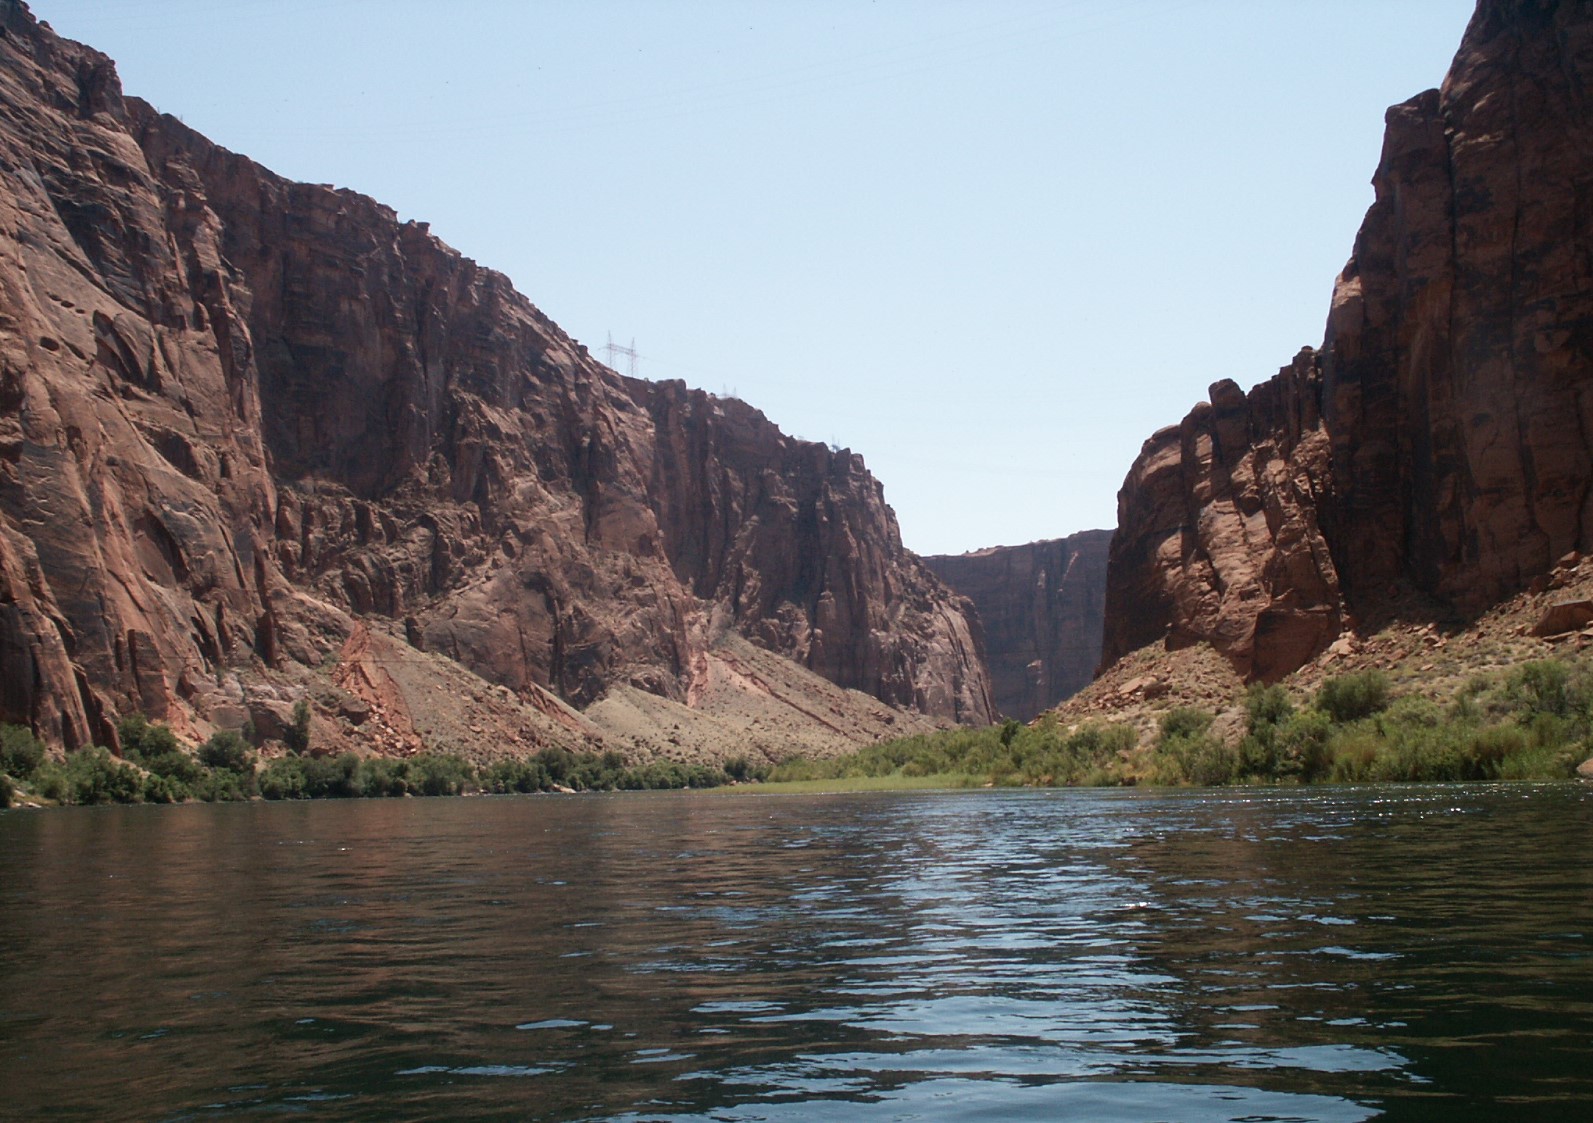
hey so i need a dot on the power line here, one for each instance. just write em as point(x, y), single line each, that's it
point(614, 350)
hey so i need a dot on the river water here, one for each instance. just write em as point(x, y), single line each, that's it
point(1397, 953)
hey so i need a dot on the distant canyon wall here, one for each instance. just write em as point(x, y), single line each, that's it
point(1043, 609)
point(237, 413)
point(1440, 442)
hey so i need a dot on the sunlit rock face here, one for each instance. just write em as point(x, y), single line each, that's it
point(237, 413)
point(1441, 440)
point(1042, 606)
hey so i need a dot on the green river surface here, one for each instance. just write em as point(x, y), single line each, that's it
point(1401, 953)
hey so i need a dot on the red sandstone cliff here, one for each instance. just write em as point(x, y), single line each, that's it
point(1441, 441)
point(237, 413)
point(1042, 606)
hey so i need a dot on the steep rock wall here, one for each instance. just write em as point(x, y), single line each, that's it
point(1042, 606)
point(1441, 441)
point(238, 412)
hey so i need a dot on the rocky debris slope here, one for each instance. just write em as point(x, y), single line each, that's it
point(1417, 647)
point(239, 415)
point(1440, 444)
point(749, 702)
point(1042, 606)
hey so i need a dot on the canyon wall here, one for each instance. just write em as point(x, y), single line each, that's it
point(1042, 606)
point(1440, 443)
point(238, 413)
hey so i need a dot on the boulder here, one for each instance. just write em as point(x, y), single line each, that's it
point(1564, 616)
point(272, 718)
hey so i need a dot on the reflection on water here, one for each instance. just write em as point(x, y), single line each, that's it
point(1329, 954)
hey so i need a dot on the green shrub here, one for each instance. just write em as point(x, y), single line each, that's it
point(1415, 741)
point(222, 785)
point(174, 773)
point(1300, 746)
point(670, 774)
point(1185, 721)
point(5, 790)
point(1540, 763)
point(164, 789)
point(1258, 755)
point(558, 763)
point(1426, 754)
point(140, 738)
point(1043, 755)
point(1539, 687)
point(1347, 698)
point(227, 750)
point(439, 774)
point(1039, 754)
point(1414, 712)
point(1189, 754)
point(799, 769)
point(21, 752)
point(332, 777)
point(741, 770)
point(384, 777)
point(1487, 750)
point(284, 779)
point(1202, 760)
point(1266, 707)
point(516, 776)
point(91, 775)
point(176, 765)
point(1352, 753)
point(1552, 730)
point(1098, 741)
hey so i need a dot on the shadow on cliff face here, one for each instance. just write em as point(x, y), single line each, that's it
point(1043, 609)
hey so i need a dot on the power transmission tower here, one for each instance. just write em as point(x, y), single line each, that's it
point(614, 350)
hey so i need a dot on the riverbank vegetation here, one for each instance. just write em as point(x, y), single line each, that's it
point(156, 768)
point(1534, 722)
point(1013, 754)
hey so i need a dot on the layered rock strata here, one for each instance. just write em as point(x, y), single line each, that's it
point(237, 413)
point(1441, 440)
point(1042, 606)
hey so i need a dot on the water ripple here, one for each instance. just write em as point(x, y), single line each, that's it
point(1400, 953)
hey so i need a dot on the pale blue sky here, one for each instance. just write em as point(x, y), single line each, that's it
point(992, 247)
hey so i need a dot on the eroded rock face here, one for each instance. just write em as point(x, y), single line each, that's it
point(237, 413)
point(1440, 440)
point(1218, 536)
point(1459, 349)
point(1042, 606)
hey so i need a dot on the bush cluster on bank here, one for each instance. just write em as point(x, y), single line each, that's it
point(1533, 723)
point(1012, 754)
point(156, 768)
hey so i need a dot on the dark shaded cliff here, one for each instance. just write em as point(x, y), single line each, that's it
point(1042, 606)
point(1441, 441)
point(237, 413)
